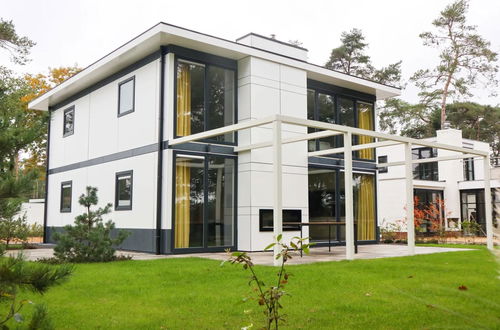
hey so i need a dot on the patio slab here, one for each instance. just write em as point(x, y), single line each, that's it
point(318, 254)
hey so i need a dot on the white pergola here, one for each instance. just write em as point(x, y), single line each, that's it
point(380, 140)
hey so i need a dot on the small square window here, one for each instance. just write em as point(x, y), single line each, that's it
point(69, 121)
point(382, 160)
point(126, 96)
point(289, 216)
point(123, 190)
point(66, 192)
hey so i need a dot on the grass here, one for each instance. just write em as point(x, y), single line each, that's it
point(419, 292)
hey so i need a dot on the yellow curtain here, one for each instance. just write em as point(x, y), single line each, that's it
point(365, 121)
point(183, 100)
point(182, 204)
point(366, 208)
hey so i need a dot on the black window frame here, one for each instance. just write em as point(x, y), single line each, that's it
point(120, 84)
point(70, 109)
point(383, 159)
point(419, 169)
point(207, 60)
point(117, 178)
point(339, 93)
point(284, 215)
point(61, 208)
point(469, 174)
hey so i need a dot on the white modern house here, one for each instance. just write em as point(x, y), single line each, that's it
point(204, 144)
point(458, 183)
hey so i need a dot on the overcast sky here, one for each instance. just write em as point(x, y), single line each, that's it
point(69, 32)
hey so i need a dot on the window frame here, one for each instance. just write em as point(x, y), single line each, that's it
point(285, 213)
point(381, 160)
point(117, 178)
point(207, 60)
point(123, 82)
point(339, 93)
point(469, 171)
point(69, 133)
point(61, 208)
point(418, 152)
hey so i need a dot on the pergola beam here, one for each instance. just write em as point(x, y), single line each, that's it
point(427, 160)
point(222, 130)
point(378, 135)
point(304, 137)
point(353, 148)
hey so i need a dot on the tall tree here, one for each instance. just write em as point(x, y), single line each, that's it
point(18, 47)
point(476, 121)
point(351, 58)
point(465, 59)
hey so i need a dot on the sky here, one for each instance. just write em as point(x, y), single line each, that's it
point(69, 32)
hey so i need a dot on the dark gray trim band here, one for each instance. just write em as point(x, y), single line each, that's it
point(108, 158)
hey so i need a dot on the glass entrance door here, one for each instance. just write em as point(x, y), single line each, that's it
point(204, 202)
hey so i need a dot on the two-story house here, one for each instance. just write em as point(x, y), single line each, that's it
point(111, 125)
point(455, 187)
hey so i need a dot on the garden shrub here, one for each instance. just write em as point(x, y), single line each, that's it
point(89, 239)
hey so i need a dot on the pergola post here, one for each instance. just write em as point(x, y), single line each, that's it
point(410, 221)
point(278, 189)
point(487, 203)
point(349, 200)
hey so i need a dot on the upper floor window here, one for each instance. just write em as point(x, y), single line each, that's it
point(469, 169)
point(333, 108)
point(126, 96)
point(425, 171)
point(69, 121)
point(66, 192)
point(123, 190)
point(205, 99)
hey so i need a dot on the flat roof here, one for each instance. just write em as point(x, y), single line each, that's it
point(163, 34)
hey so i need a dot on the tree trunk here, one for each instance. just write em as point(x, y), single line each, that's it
point(444, 98)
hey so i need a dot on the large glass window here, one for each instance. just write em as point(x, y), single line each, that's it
point(326, 114)
point(66, 189)
point(425, 171)
point(365, 121)
point(430, 203)
point(332, 108)
point(220, 204)
point(469, 169)
point(327, 204)
point(322, 203)
point(69, 121)
point(204, 201)
point(126, 96)
point(123, 190)
point(205, 99)
point(364, 205)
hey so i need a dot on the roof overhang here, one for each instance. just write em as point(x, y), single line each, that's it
point(165, 34)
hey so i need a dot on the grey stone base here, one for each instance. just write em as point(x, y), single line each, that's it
point(143, 240)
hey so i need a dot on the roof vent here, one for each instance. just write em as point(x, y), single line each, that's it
point(446, 125)
point(273, 45)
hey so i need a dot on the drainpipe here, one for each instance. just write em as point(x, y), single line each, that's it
point(159, 182)
point(45, 206)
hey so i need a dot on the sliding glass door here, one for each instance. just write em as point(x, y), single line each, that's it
point(327, 203)
point(204, 201)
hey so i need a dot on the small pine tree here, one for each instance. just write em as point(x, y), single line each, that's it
point(89, 239)
point(12, 226)
point(16, 275)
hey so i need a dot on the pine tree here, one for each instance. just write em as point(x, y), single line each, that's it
point(89, 239)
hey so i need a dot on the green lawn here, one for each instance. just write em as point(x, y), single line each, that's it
point(418, 292)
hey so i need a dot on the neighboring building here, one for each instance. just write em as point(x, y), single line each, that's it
point(459, 184)
point(33, 209)
point(111, 125)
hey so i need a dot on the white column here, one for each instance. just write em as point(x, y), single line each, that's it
point(409, 200)
point(349, 200)
point(487, 203)
point(278, 195)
